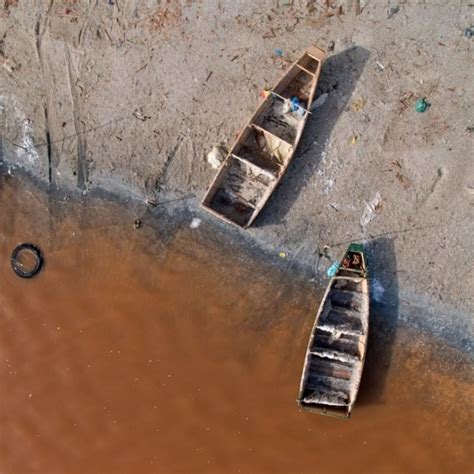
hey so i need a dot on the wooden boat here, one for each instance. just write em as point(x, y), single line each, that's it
point(336, 350)
point(264, 149)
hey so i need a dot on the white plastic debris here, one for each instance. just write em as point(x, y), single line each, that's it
point(216, 156)
point(371, 208)
point(195, 223)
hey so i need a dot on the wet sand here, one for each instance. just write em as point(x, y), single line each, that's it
point(153, 350)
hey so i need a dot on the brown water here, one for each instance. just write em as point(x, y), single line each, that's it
point(153, 350)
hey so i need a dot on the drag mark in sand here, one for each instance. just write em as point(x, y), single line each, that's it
point(2, 125)
point(81, 139)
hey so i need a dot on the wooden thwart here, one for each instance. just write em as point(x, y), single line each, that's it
point(266, 146)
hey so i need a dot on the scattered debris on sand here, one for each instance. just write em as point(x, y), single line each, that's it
point(371, 209)
point(216, 156)
point(195, 223)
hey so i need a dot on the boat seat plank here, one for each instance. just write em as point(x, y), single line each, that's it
point(341, 342)
point(255, 166)
point(327, 397)
point(349, 273)
point(264, 130)
point(264, 150)
point(335, 355)
point(305, 70)
point(315, 53)
point(341, 329)
point(285, 126)
point(341, 318)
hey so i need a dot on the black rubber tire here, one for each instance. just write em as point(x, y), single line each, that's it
point(17, 267)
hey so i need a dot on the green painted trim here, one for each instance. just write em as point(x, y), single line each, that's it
point(356, 248)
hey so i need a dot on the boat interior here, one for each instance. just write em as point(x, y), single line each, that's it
point(336, 350)
point(264, 149)
point(240, 189)
point(352, 264)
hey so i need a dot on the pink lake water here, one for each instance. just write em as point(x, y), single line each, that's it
point(158, 351)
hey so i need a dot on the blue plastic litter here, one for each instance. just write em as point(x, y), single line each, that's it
point(279, 52)
point(295, 105)
point(469, 32)
point(332, 270)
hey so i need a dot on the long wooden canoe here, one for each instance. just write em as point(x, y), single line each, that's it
point(263, 150)
point(337, 346)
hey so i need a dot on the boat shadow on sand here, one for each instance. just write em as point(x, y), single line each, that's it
point(383, 321)
point(339, 75)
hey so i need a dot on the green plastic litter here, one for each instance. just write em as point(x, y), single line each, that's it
point(422, 105)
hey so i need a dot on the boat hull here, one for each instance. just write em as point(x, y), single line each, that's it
point(264, 149)
point(336, 350)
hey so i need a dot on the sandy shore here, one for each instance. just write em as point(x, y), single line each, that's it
point(129, 98)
